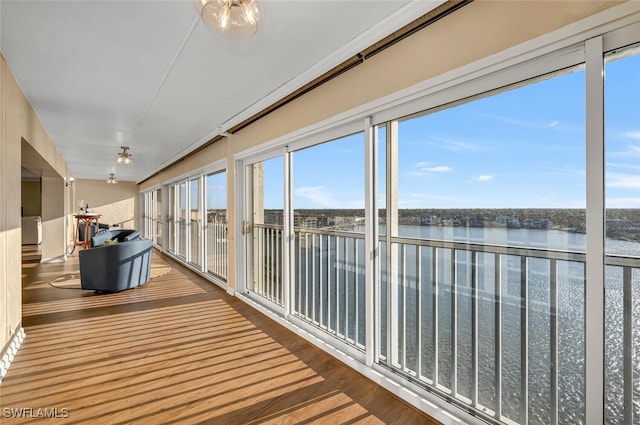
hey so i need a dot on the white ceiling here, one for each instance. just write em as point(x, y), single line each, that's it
point(150, 75)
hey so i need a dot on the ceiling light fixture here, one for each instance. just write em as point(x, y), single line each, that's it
point(125, 157)
point(112, 179)
point(235, 19)
point(69, 182)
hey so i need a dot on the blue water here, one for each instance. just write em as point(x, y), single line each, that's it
point(570, 314)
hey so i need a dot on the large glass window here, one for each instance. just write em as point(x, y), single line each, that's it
point(159, 221)
point(216, 235)
point(463, 304)
point(182, 220)
point(263, 228)
point(328, 218)
point(171, 213)
point(191, 235)
point(195, 227)
point(622, 243)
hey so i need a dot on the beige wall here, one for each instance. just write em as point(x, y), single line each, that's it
point(31, 198)
point(477, 30)
point(19, 123)
point(53, 218)
point(5, 301)
point(117, 203)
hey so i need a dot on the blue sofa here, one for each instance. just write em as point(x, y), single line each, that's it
point(114, 268)
point(121, 235)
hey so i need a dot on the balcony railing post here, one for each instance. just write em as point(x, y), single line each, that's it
point(498, 333)
point(474, 328)
point(628, 366)
point(435, 322)
point(553, 335)
point(524, 341)
point(454, 321)
point(418, 321)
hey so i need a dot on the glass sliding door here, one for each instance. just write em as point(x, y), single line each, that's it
point(159, 222)
point(263, 228)
point(622, 243)
point(144, 202)
point(181, 227)
point(216, 224)
point(150, 227)
point(483, 284)
point(195, 223)
point(171, 222)
point(328, 217)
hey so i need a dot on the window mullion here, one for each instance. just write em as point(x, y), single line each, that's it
point(595, 219)
point(371, 241)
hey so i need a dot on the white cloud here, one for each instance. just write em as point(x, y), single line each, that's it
point(553, 124)
point(624, 181)
point(458, 146)
point(437, 169)
point(485, 178)
point(623, 202)
point(425, 169)
point(611, 165)
point(634, 135)
point(453, 145)
point(317, 195)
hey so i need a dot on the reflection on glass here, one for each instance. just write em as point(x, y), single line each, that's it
point(461, 306)
point(381, 139)
point(194, 221)
point(159, 223)
point(328, 202)
point(216, 202)
point(182, 219)
point(263, 228)
point(171, 208)
point(622, 281)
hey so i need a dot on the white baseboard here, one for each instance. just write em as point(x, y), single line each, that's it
point(10, 351)
point(59, 259)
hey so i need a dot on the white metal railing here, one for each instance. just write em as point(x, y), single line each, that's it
point(494, 329)
point(329, 282)
point(217, 249)
point(267, 262)
point(457, 321)
point(491, 327)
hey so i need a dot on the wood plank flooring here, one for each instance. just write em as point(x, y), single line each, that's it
point(178, 350)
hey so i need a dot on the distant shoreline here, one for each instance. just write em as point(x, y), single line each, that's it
point(621, 223)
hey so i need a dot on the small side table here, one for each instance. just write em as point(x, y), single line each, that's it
point(86, 219)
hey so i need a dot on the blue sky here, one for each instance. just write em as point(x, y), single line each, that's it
point(622, 132)
point(521, 148)
point(217, 191)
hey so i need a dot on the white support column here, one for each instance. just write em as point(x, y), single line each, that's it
point(595, 219)
point(393, 292)
point(203, 223)
point(371, 240)
point(240, 212)
point(287, 235)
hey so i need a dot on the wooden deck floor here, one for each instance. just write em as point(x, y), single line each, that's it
point(178, 350)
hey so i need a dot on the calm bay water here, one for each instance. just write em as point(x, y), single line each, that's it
point(570, 315)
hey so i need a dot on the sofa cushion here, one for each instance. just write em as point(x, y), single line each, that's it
point(101, 237)
point(121, 235)
point(132, 236)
